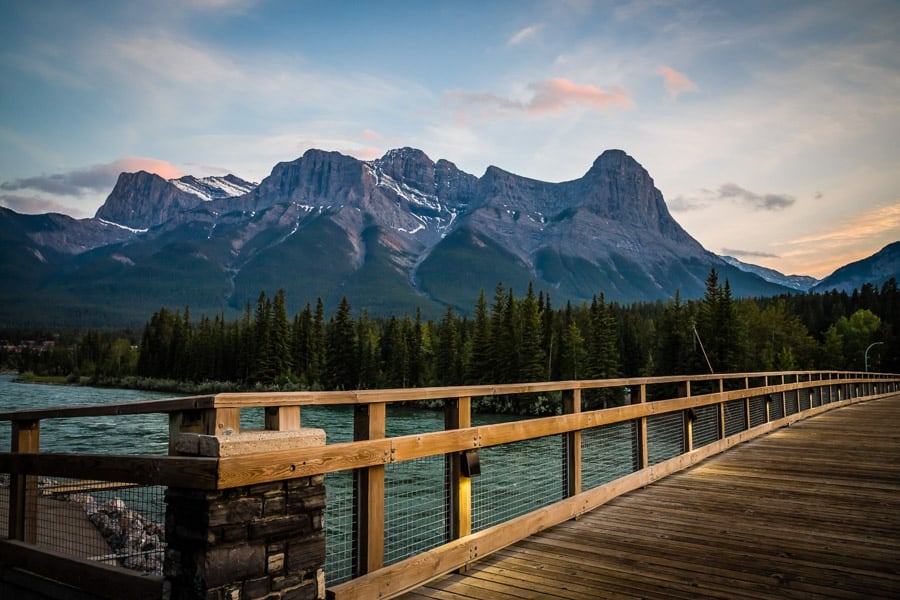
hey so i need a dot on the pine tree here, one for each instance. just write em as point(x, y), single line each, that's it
point(602, 350)
point(676, 342)
point(477, 366)
point(315, 371)
point(447, 359)
point(340, 354)
point(280, 339)
point(301, 332)
point(532, 361)
point(262, 369)
point(367, 344)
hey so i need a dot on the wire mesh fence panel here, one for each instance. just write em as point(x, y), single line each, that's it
point(415, 507)
point(791, 402)
point(608, 452)
point(805, 397)
point(119, 524)
point(705, 429)
point(665, 437)
point(4, 505)
point(339, 523)
point(757, 411)
point(516, 479)
point(735, 417)
point(776, 406)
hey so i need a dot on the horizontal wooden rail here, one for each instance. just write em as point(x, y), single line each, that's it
point(344, 398)
point(287, 464)
point(188, 472)
point(103, 581)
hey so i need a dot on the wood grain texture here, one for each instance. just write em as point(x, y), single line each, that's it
point(807, 511)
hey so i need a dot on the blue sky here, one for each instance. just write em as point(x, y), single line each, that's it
point(771, 128)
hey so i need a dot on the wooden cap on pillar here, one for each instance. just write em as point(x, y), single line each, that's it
point(247, 442)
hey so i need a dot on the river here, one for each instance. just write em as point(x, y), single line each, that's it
point(513, 482)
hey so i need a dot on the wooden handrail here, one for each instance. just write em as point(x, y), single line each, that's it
point(180, 471)
point(345, 398)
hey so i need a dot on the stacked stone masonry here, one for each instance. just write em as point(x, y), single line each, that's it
point(264, 541)
point(256, 542)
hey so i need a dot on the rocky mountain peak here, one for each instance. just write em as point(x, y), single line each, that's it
point(410, 166)
point(318, 178)
point(142, 200)
point(618, 187)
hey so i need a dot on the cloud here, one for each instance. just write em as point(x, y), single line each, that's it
point(676, 83)
point(732, 192)
point(372, 136)
point(736, 193)
point(550, 96)
point(747, 253)
point(33, 205)
point(866, 226)
point(98, 178)
point(524, 34)
point(683, 204)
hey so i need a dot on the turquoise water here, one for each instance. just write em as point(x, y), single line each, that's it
point(515, 479)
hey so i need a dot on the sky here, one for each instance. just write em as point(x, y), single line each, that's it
point(771, 128)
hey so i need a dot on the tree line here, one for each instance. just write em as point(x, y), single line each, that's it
point(504, 339)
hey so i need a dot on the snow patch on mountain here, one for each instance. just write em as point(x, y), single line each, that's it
point(214, 188)
point(131, 229)
point(801, 283)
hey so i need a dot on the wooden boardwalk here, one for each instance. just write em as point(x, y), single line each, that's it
point(811, 511)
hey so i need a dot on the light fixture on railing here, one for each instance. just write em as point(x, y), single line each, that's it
point(470, 464)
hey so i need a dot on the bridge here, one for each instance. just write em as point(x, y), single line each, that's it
point(763, 485)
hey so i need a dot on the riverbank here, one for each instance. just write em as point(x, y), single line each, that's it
point(143, 384)
point(530, 405)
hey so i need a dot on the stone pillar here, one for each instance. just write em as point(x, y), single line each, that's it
point(262, 541)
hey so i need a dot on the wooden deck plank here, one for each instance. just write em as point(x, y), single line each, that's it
point(811, 511)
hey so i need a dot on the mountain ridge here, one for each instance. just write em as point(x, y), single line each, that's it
point(393, 234)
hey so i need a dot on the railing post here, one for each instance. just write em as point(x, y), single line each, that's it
point(282, 418)
point(642, 427)
point(26, 437)
point(369, 424)
point(458, 415)
point(688, 421)
point(572, 405)
point(206, 421)
point(721, 411)
point(747, 419)
point(783, 398)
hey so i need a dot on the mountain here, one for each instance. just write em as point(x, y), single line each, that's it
point(142, 200)
point(391, 234)
point(876, 269)
point(800, 283)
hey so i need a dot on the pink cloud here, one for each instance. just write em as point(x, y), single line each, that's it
point(96, 178)
point(556, 95)
point(371, 135)
point(676, 83)
point(364, 153)
point(550, 96)
point(131, 164)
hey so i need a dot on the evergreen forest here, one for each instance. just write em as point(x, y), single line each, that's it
point(506, 338)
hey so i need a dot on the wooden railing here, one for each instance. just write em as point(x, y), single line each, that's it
point(738, 407)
